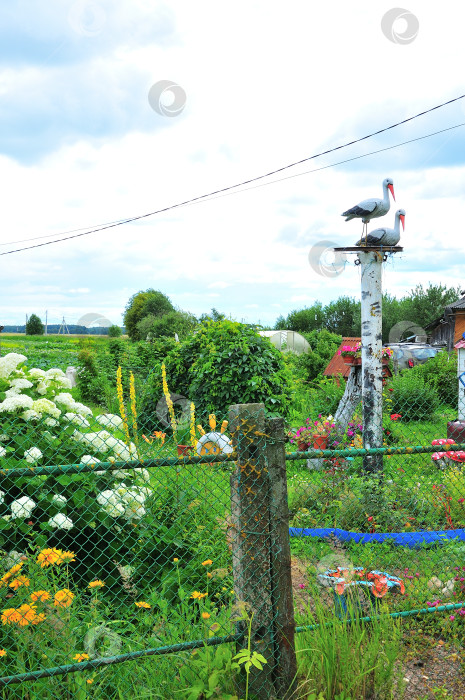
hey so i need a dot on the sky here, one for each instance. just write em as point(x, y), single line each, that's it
point(91, 133)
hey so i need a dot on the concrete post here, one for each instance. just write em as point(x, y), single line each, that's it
point(372, 367)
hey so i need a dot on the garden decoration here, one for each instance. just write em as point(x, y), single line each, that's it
point(351, 354)
point(447, 458)
point(372, 208)
point(314, 433)
point(213, 443)
point(378, 583)
point(386, 236)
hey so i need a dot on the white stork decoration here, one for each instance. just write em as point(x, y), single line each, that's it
point(385, 236)
point(372, 208)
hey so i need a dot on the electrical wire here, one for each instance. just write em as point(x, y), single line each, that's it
point(254, 179)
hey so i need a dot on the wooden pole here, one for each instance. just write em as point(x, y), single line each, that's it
point(285, 670)
point(251, 539)
point(372, 368)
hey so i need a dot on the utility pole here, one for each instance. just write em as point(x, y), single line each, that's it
point(46, 322)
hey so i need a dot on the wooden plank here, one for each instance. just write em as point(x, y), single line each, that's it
point(285, 670)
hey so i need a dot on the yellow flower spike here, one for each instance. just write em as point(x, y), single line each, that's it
point(201, 430)
point(192, 426)
point(132, 397)
point(169, 402)
point(122, 410)
point(212, 421)
point(224, 425)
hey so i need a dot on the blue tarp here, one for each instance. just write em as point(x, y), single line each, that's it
point(406, 539)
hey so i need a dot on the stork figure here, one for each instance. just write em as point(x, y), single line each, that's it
point(385, 236)
point(372, 208)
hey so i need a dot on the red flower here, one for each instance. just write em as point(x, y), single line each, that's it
point(370, 518)
point(395, 416)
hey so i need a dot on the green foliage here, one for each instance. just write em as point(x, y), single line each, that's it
point(226, 363)
point(343, 317)
point(309, 366)
point(34, 326)
point(91, 384)
point(114, 331)
point(424, 305)
point(179, 322)
point(142, 304)
point(440, 373)
point(412, 397)
point(303, 321)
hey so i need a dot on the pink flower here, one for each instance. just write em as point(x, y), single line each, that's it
point(452, 617)
point(462, 612)
point(302, 585)
point(461, 500)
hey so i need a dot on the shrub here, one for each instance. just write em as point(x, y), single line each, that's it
point(91, 384)
point(226, 363)
point(114, 331)
point(34, 326)
point(440, 373)
point(412, 397)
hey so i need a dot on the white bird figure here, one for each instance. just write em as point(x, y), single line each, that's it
point(385, 236)
point(372, 208)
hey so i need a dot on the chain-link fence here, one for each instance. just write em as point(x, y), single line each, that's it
point(139, 562)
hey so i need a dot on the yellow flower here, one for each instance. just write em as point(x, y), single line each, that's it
point(9, 574)
point(142, 604)
point(132, 396)
point(21, 616)
point(169, 401)
point(3, 652)
point(90, 681)
point(209, 575)
point(207, 562)
point(96, 584)
point(38, 618)
point(192, 425)
point(122, 411)
point(49, 557)
point(63, 598)
point(18, 582)
point(197, 596)
point(205, 615)
point(81, 657)
point(65, 557)
point(175, 559)
point(40, 595)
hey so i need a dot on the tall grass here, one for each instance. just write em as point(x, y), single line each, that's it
point(345, 657)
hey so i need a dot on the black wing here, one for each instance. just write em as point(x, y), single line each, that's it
point(356, 211)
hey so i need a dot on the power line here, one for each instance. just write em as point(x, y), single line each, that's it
point(254, 179)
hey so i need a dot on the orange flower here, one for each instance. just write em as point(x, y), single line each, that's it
point(63, 598)
point(209, 575)
point(175, 559)
point(38, 618)
point(207, 562)
point(21, 616)
point(49, 557)
point(81, 657)
point(90, 681)
point(9, 574)
point(205, 615)
point(96, 584)
point(197, 596)
point(161, 436)
point(142, 604)
point(65, 557)
point(40, 595)
point(3, 652)
point(18, 582)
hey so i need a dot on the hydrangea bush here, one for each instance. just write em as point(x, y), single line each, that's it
point(42, 424)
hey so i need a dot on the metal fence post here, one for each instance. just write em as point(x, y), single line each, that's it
point(251, 538)
point(281, 581)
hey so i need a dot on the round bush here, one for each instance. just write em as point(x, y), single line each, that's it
point(412, 397)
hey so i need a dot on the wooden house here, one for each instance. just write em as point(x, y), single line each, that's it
point(448, 329)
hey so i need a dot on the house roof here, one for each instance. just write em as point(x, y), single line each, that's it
point(460, 304)
point(336, 364)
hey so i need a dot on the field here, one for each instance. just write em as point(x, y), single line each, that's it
point(150, 561)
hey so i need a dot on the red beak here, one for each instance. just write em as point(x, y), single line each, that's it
point(391, 189)
point(402, 218)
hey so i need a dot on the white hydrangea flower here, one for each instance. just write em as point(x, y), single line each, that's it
point(12, 392)
point(60, 521)
point(9, 362)
point(98, 441)
point(51, 422)
point(33, 455)
point(111, 503)
point(76, 419)
point(144, 473)
point(21, 383)
point(22, 507)
point(41, 388)
point(89, 459)
point(15, 403)
point(81, 409)
point(36, 373)
point(30, 415)
point(46, 406)
point(2, 453)
point(65, 399)
point(110, 420)
point(55, 373)
point(59, 501)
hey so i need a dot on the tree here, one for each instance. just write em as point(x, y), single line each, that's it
point(34, 326)
point(114, 331)
point(303, 321)
point(142, 304)
point(424, 305)
point(214, 315)
point(180, 322)
point(343, 317)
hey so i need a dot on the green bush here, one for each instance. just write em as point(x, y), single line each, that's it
point(412, 397)
point(225, 363)
point(91, 384)
point(440, 373)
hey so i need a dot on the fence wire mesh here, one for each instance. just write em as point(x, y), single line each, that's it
point(150, 540)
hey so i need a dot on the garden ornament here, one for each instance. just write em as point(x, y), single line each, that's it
point(377, 582)
point(386, 236)
point(213, 443)
point(372, 208)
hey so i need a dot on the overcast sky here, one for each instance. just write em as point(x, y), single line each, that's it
point(261, 85)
